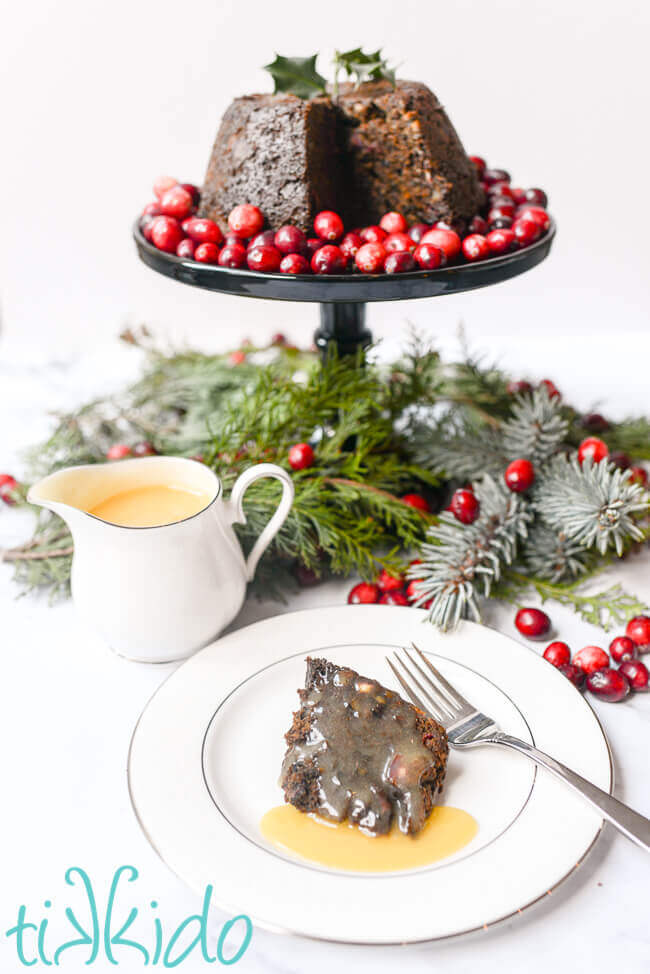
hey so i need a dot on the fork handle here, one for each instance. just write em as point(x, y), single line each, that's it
point(624, 818)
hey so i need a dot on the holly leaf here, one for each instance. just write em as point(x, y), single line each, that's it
point(296, 76)
point(363, 67)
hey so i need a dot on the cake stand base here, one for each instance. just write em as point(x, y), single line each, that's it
point(342, 327)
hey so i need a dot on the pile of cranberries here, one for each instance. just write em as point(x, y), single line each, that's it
point(387, 590)
point(511, 218)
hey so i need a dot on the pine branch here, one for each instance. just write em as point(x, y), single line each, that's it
point(551, 555)
point(536, 428)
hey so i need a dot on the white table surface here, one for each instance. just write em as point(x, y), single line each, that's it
point(67, 710)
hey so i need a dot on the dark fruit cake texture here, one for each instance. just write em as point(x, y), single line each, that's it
point(358, 751)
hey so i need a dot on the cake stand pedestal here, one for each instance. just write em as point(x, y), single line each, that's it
point(343, 297)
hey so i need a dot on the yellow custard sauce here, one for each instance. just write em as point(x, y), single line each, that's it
point(343, 846)
point(152, 506)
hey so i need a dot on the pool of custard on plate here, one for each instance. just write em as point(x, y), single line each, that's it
point(342, 845)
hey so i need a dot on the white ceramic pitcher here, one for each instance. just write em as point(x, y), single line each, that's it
point(157, 594)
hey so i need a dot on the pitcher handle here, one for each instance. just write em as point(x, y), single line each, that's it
point(242, 483)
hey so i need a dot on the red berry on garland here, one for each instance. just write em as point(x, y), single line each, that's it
point(237, 358)
point(393, 598)
point(532, 623)
point(373, 234)
point(278, 338)
point(203, 230)
point(290, 240)
point(363, 594)
point(350, 244)
point(620, 459)
point(595, 423)
point(144, 449)
point(551, 388)
point(428, 257)
point(526, 231)
point(417, 231)
point(591, 658)
point(574, 674)
point(518, 388)
point(465, 506)
point(7, 486)
point(558, 654)
point(593, 448)
point(636, 674)
point(399, 263)
point(480, 164)
point(329, 259)
point(328, 225)
point(638, 629)
point(176, 202)
point(393, 223)
point(306, 577)
point(622, 648)
point(186, 248)
point(294, 264)
point(412, 589)
point(232, 255)
point(162, 184)
point(370, 258)
point(300, 456)
point(265, 259)
point(207, 253)
point(475, 247)
point(638, 475)
point(194, 192)
point(166, 233)
point(246, 220)
point(389, 583)
point(397, 242)
point(448, 241)
point(608, 684)
point(417, 501)
point(118, 451)
point(519, 475)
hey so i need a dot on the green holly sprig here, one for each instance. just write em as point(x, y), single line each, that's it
point(299, 76)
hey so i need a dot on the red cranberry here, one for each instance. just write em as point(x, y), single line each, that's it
point(194, 192)
point(393, 223)
point(290, 240)
point(526, 231)
point(557, 653)
point(152, 209)
point(300, 456)
point(594, 449)
point(232, 255)
point(480, 164)
point(518, 388)
point(536, 214)
point(294, 264)
point(264, 239)
point(413, 592)
point(591, 658)
point(595, 423)
point(246, 220)
point(447, 240)
point(465, 506)
point(207, 253)
point(176, 202)
point(312, 245)
point(328, 225)
point(478, 225)
point(475, 247)
point(350, 244)
point(306, 577)
point(620, 459)
point(373, 234)
point(608, 684)
point(146, 225)
point(518, 195)
point(266, 259)
point(622, 648)
point(636, 674)
point(186, 248)
point(370, 258)
point(278, 338)
point(491, 176)
point(501, 241)
point(166, 233)
point(499, 191)
point(389, 583)
point(329, 259)
point(417, 231)
point(497, 212)
point(162, 184)
point(551, 388)
point(504, 223)
point(574, 674)
point(428, 257)
point(519, 475)
point(638, 629)
point(397, 242)
point(532, 623)
point(144, 449)
point(417, 501)
point(8, 485)
point(237, 358)
point(203, 230)
point(393, 598)
point(536, 196)
point(363, 594)
point(399, 263)
point(118, 451)
point(638, 475)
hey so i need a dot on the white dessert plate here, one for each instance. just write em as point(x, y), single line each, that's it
point(206, 753)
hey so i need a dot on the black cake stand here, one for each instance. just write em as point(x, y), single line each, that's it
point(343, 297)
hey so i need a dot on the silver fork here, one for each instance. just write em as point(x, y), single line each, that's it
point(468, 727)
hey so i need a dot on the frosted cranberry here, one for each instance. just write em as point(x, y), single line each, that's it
point(264, 239)
point(176, 202)
point(448, 241)
point(475, 247)
point(501, 241)
point(194, 192)
point(638, 475)
point(294, 264)
point(480, 164)
point(300, 456)
point(518, 388)
point(428, 256)
point(595, 423)
point(608, 684)
point(118, 451)
point(373, 234)
point(417, 501)
point(329, 259)
point(328, 225)
point(232, 255)
point(312, 245)
point(399, 263)
point(396, 242)
point(591, 658)
point(393, 598)
point(558, 654)
point(166, 233)
point(478, 225)
point(573, 673)
point(638, 629)
point(536, 214)
point(532, 623)
point(622, 648)
point(519, 475)
point(389, 583)
point(465, 506)
point(594, 449)
point(417, 231)
point(363, 594)
point(551, 388)
point(144, 449)
point(162, 184)
point(186, 249)
point(526, 231)
point(393, 223)
point(246, 220)
point(266, 259)
point(636, 674)
point(207, 253)
point(370, 258)
point(290, 240)
point(518, 195)
point(491, 176)
point(152, 209)
point(620, 459)
point(536, 196)
point(203, 230)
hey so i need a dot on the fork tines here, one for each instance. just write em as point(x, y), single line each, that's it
point(434, 693)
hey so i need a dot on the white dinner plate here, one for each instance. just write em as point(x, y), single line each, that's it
point(206, 754)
